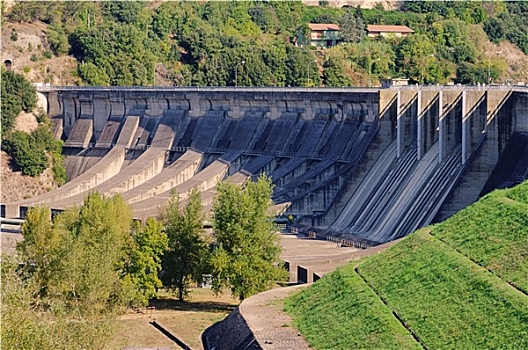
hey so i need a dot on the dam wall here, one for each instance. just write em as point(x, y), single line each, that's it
point(355, 163)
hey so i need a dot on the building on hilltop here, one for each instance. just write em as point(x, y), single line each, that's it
point(374, 31)
point(320, 35)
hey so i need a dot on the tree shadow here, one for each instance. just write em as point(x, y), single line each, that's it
point(198, 306)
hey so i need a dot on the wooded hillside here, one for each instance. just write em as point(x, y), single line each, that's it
point(252, 43)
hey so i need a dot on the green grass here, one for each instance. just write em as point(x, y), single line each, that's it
point(447, 300)
point(494, 234)
point(341, 312)
point(448, 284)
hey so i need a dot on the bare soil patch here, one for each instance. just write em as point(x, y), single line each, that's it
point(16, 186)
point(185, 320)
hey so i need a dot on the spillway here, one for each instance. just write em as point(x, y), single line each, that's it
point(363, 164)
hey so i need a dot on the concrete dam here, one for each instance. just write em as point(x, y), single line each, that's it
point(361, 165)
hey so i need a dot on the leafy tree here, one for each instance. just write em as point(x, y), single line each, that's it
point(495, 29)
point(246, 257)
point(187, 246)
point(265, 18)
point(123, 11)
point(93, 75)
point(58, 40)
point(38, 249)
point(468, 73)
point(416, 58)
point(334, 75)
point(17, 95)
point(143, 263)
point(31, 158)
point(352, 28)
point(89, 271)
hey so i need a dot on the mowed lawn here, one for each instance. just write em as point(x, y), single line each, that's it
point(186, 320)
point(460, 284)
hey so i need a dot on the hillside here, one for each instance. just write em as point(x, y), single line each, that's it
point(251, 43)
point(458, 285)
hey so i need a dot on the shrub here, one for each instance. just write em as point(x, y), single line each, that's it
point(17, 95)
point(34, 58)
point(28, 155)
point(27, 69)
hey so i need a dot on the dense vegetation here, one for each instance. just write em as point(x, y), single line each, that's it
point(252, 43)
point(35, 152)
point(448, 284)
point(17, 95)
point(74, 274)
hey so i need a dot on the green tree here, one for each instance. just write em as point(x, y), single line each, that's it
point(334, 75)
point(17, 94)
point(57, 40)
point(30, 157)
point(95, 238)
point(187, 246)
point(352, 28)
point(247, 255)
point(39, 247)
point(143, 262)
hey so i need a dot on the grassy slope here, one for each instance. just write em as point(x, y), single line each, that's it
point(349, 312)
point(447, 300)
point(494, 234)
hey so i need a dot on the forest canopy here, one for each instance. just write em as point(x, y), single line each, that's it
point(253, 43)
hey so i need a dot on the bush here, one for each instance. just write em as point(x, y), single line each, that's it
point(34, 58)
point(31, 152)
point(17, 95)
point(28, 155)
point(42, 117)
point(59, 171)
point(27, 69)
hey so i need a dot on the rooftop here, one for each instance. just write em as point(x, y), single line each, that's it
point(389, 29)
point(323, 26)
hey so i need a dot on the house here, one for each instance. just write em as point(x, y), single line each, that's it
point(374, 31)
point(321, 35)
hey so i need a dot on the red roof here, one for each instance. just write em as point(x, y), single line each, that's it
point(389, 29)
point(323, 26)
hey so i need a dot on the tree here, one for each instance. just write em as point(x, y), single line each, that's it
point(143, 262)
point(17, 94)
point(334, 75)
point(187, 247)
point(70, 279)
point(38, 249)
point(30, 156)
point(89, 274)
point(247, 255)
point(352, 28)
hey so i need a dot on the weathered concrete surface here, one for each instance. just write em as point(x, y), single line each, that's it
point(178, 172)
point(106, 168)
point(320, 143)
